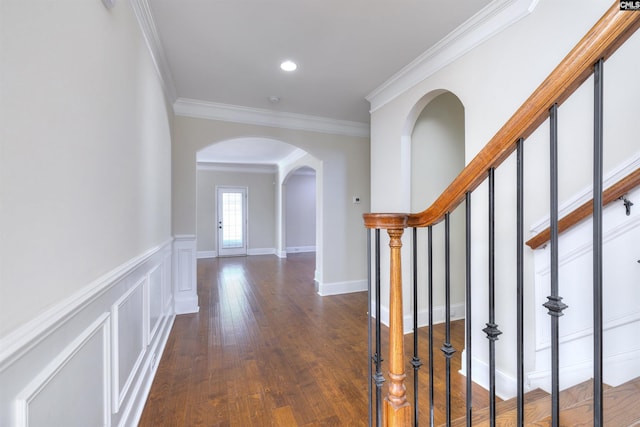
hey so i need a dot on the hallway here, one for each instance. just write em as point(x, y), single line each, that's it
point(264, 349)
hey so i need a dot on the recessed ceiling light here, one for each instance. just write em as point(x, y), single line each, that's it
point(288, 66)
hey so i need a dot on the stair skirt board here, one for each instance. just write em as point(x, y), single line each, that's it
point(618, 369)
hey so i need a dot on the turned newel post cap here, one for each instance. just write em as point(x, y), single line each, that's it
point(386, 221)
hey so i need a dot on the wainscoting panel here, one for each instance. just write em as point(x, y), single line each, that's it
point(184, 270)
point(129, 339)
point(73, 374)
point(154, 281)
point(90, 360)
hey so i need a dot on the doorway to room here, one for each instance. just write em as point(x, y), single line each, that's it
point(232, 221)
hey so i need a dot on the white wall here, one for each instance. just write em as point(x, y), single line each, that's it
point(492, 80)
point(85, 151)
point(261, 206)
point(300, 215)
point(85, 214)
point(346, 173)
point(437, 156)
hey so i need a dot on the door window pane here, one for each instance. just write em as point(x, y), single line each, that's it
point(232, 220)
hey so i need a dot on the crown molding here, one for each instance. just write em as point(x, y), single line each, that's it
point(255, 116)
point(236, 167)
point(489, 21)
point(150, 32)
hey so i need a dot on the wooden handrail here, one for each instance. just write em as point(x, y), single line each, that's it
point(611, 31)
point(612, 193)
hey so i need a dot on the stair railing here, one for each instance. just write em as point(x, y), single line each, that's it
point(585, 59)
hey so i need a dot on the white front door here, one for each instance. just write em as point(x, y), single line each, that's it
point(232, 221)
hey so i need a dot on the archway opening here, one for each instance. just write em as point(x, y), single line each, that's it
point(300, 210)
point(437, 147)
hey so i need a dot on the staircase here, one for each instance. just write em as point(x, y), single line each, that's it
point(590, 403)
point(620, 407)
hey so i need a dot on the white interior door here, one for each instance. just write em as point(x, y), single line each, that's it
point(232, 221)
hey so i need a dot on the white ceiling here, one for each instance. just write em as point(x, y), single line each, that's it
point(228, 51)
point(247, 151)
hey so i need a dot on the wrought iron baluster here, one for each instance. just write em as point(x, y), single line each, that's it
point(520, 279)
point(415, 361)
point(369, 317)
point(492, 330)
point(598, 415)
point(447, 348)
point(554, 303)
point(430, 291)
point(468, 305)
point(378, 377)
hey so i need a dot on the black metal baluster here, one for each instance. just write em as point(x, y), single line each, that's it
point(598, 415)
point(415, 361)
point(447, 348)
point(370, 356)
point(430, 290)
point(520, 279)
point(378, 378)
point(554, 303)
point(492, 330)
point(468, 305)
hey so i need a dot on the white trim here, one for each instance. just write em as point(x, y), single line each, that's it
point(261, 251)
point(207, 254)
point(185, 290)
point(27, 336)
point(588, 332)
point(255, 116)
point(150, 367)
point(506, 385)
point(150, 33)
point(295, 249)
point(60, 361)
point(618, 369)
point(234, 167)
point(337, 288)
point(281, 254)
point(491, 20)
point(152, 329)
point(119, 395)
point(581, 197)
point(293, 157)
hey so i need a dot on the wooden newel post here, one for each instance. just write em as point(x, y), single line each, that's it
point(397, 410)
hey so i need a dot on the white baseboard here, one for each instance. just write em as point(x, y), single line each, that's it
point(506, 385)
point(207, 254)
point(97, 350)
point(338, 288)
point(250, 251)
point(281, 254)
point(295, 249)
point(261, 251)
point(618, 369)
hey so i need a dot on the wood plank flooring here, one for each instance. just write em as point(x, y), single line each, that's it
point(266, 350)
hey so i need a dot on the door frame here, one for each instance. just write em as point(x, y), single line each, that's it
point(238, 251)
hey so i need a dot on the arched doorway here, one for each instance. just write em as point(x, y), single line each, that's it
point(300, 210)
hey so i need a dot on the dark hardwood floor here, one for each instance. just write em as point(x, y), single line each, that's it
point(266, 350)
